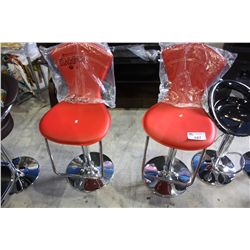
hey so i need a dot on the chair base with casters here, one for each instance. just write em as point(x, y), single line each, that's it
point(217, 168)
point(245, 161)
point(80, 125)
point(168, 176)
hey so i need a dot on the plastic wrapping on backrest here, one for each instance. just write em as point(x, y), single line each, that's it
point(82, 72)
point(187, 70)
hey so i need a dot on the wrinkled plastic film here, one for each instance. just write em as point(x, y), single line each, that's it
point(82, 72)
point(138, 50)
point(188, 70)
point(146, 55)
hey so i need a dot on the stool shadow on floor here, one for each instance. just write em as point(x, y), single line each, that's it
point(51, 186)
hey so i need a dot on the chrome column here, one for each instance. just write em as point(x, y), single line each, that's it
point(169, 160)
point(223, 148)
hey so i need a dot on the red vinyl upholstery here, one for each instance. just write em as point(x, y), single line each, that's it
point(83, 67)
point(169, 125)
point(75, 123)
point(190, 68)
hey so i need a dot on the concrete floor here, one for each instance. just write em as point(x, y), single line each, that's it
point(124, 144)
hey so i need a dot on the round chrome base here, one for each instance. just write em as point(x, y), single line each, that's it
point(27, 171)
point(92, 178)
point(223, 174)
point(246, 162)
point(158, 179)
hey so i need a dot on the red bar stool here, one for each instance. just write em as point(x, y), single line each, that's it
point(80, 72)
point(178, 120)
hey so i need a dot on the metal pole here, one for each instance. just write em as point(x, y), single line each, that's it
point(145, 154)
point(86, 154)
point(6, 112)
point(223, 148)
point(8, 158)
point(169, 159)
point(14, 170)
point(101, 158)
point(88, 167)
point(13, 177)
point(51, 157)
point(53, 164)
point(198, 167)
point(194, 174)
point(193, 177)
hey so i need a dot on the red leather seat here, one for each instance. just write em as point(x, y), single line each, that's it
point(190, 68)
point(76, 123)
point(169, 125)
point(83, 67)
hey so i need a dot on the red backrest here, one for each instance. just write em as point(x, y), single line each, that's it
point(191, 68)
point(83, 66)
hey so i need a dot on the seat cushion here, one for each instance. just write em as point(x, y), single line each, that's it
point(169, 125)
point(76, 123)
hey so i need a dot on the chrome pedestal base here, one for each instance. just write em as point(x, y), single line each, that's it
point(92, 177)
point(26, 171)
point(222, 174)
point(158, 179)
point(246, 161)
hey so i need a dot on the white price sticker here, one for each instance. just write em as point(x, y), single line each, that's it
point(197, 136)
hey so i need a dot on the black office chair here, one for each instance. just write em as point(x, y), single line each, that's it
point(16, 174)
point(229, 107)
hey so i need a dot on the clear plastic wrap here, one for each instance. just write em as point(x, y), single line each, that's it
point(187, 70)
point(146, 55)
point(82, 72)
